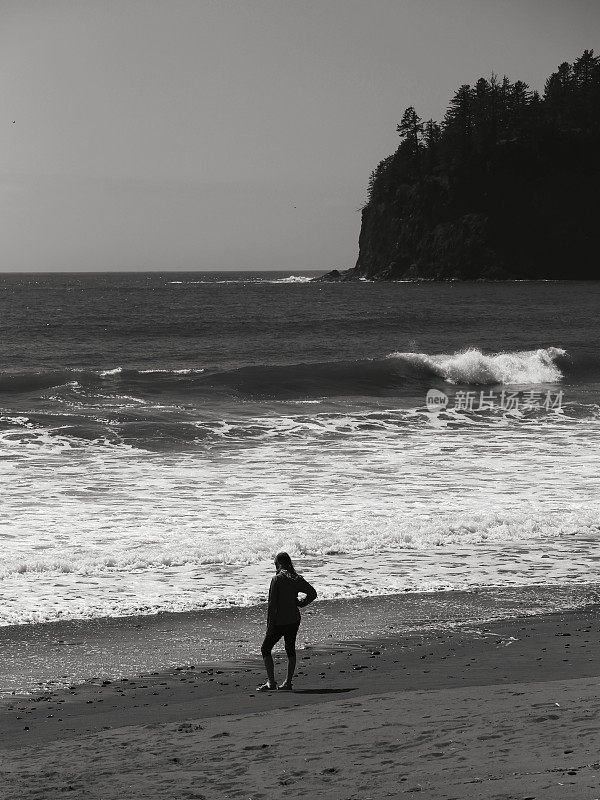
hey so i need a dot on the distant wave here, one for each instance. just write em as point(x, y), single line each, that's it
point(386, 377)
point(187, 371)
point(24, 381)
point(474, 367)
point(249, 279)
point(377, 377)
point(292, 279)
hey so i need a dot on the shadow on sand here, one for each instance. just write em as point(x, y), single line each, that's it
point(324, 691)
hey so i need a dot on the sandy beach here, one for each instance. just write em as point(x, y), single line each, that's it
point(299, 323)
point(507, 709)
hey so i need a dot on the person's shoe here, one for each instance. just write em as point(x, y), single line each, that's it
point(285, 687)
point(266, 687)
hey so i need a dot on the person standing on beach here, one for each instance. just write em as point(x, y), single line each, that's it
point(283, 618)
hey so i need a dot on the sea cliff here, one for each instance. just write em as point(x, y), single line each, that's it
point(505, 187)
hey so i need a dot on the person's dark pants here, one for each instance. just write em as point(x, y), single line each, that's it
point(274, 634)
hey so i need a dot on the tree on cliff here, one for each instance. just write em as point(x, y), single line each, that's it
point(410, 130)
point(506, 184)
point(458, 125)
point(572, 93)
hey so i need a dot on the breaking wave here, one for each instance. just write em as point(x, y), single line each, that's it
point(292, 279)
point(384, 536)
point(245, 280)
point(474, 367)
point(376, 377)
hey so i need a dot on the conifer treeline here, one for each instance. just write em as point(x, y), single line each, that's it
point(490, 115)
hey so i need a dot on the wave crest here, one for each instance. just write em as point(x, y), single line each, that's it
point(389, 376)
point(392, 536)
point(474, 367)
point(292, 279)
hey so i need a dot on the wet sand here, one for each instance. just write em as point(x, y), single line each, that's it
point(503, 710)
point(52, 655)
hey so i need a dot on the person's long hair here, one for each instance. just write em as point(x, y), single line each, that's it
point(284, 564)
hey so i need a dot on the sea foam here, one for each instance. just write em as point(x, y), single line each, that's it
point(472, 366)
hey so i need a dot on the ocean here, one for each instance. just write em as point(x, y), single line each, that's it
point(163, 435)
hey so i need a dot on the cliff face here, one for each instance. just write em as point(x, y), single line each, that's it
point(506, 187)
point(526, 213)
point(400, 240)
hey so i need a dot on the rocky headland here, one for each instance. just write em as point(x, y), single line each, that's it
point(506, 187)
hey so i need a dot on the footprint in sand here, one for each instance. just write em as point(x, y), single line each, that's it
point(187, 727)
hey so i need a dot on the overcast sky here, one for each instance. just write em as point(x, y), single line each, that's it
point(232, 134)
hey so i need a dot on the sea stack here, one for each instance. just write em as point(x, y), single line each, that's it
point(505, 187)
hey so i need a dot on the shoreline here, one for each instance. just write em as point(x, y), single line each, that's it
point(505, 709)
point(53, 655)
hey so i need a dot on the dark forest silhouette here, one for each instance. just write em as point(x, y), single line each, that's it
point(506, 186)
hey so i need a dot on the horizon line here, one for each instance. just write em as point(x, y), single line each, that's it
point(145, 271)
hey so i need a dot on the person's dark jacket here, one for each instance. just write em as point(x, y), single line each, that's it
point(283, 598)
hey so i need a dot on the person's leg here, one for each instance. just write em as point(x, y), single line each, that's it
point(271, 638)
point(290, 648)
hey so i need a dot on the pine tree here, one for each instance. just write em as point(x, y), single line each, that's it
point(519, 101)
point(411, 128)
point(457, 129)
point(378, 177)
point(586, 80)
point(432, 134)
point(583, 70)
